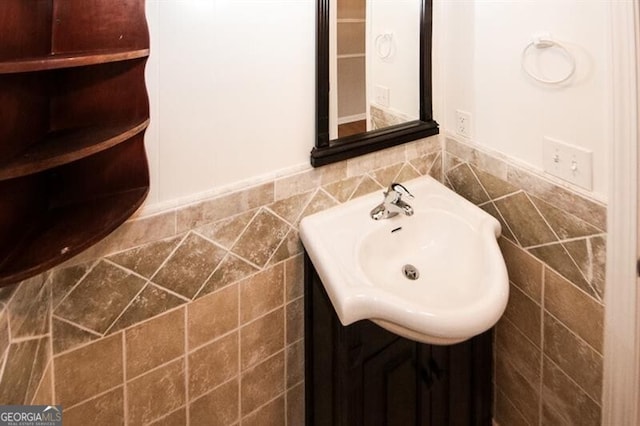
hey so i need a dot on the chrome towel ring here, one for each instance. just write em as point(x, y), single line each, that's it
point(545, 42)
point(384, 45)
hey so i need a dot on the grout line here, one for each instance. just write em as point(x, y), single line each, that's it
point(206, 280)
point(353, 191)
point(154, 369)
point(581, 339)
point(574, 286)
point(282, 242)
point(125, 309)
point(170, 413)
point(590, 259)
point(96, 396)
point(511, 194)
point(96, 262)
point(170, 255)
point(513, 406)
point(34, 363)
point(544, 219)
point(535, 345)
point(252, 274)
point(29, 338)
point(597, 295)
point(462, 161)
point(542, 315)
point(107, 336)
point(234, 378)
point(478, 181)
point(41, 382)
point(286, 338)
point(242, 327)
point(314, 193)
point(370, 173)
point(51, 337)
point(239, 353)
point(171, 292)
point(299, 213)
point(49, 349)
point(228, 250)
point(186, 365)
point(408, 164)
point(599, 404)
point(123, 268)
point(282, 395)
point(568, 240)
point(5, 357)
point(125, 391)
point(507, 225)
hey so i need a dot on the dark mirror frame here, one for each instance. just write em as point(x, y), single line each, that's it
point(330, 151)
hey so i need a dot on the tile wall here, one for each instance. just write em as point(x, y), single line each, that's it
point(193, 316)
point(549, 344)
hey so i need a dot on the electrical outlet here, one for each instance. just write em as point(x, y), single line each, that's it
point(381, 95)
point(463, 123)
point(568, 162)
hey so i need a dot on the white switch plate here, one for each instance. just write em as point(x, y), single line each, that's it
point(463, 123)
point(381, 95)
point(568, 162)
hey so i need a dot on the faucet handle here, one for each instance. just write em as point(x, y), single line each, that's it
point(400, 189)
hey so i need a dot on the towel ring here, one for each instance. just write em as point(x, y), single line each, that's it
point(383, 40)
point(545, 43)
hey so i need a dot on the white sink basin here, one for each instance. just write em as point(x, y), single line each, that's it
point(461, 288)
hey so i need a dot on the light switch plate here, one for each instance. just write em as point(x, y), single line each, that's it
point(568, 162)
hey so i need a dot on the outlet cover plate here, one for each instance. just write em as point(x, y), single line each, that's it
point(381, 95)
point(463, 123)
point(568, 162)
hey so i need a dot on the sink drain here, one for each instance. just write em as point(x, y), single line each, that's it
point(411, 272)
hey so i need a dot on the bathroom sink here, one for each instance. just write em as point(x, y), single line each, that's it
point(436, 276)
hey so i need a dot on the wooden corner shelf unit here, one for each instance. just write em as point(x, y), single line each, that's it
point(73, 112)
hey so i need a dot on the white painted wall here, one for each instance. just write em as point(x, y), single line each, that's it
point(231, 84)
point(481, 46)
point(400, 72)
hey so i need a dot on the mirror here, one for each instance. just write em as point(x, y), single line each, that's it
point(373, 76)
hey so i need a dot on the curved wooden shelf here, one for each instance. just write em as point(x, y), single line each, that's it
point(70, 60)
point(61, 233)
point(73, 166)
point(67, 146)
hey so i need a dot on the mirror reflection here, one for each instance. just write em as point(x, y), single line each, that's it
point(374, 65)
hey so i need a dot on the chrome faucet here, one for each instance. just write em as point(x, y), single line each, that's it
point(392, 204)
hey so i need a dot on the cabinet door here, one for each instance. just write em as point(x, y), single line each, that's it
point(390, 386)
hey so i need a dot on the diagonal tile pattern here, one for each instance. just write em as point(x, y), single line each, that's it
point(147, 259)
point(225, 232)
point(201, 323)
point(464, 182)
point(569, 244)
point(189, 266)
point(151, 301)
point(524, 220)
point(548, 345)
point(261, 238)
point(230, 270)
point(100, 297)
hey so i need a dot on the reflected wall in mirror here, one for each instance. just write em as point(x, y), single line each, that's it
point(374, 52)
point(373, 75)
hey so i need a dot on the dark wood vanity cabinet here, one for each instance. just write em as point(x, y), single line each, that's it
point(363, 375)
